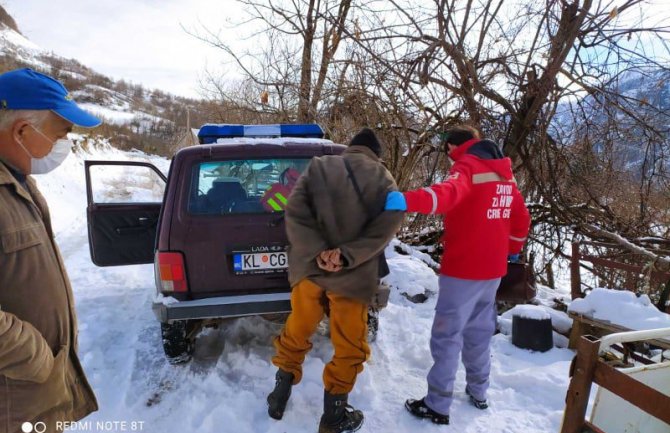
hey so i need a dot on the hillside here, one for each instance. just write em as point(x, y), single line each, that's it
point(135, 117)
point(7, 20)
point(611, 117)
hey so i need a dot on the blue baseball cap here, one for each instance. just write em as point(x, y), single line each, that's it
point(25, 89)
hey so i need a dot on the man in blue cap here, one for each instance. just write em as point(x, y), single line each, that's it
point(42, 382)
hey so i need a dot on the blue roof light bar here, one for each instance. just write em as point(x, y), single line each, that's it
point(210, 133)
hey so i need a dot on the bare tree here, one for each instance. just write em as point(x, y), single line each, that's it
point(311, 30)
point(550, 81)
point(547, 80)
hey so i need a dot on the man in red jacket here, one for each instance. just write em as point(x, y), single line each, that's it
point(485, 220)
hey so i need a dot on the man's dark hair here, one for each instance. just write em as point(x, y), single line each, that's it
point(458, 135)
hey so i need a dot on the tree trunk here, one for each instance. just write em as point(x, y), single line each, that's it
point(538, 91)
point(304, 114)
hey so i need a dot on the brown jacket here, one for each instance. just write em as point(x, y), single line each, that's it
point(325, 212)
point(41, 379)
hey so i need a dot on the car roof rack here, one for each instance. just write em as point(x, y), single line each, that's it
point(210, 133)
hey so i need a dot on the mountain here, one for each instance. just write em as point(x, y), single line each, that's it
point(8, 21)
point(134, 116)
point(614, 123)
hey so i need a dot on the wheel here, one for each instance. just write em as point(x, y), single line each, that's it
point(178, 341)
point(373, 324)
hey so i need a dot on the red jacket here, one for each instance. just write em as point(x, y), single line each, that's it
point(485, 217)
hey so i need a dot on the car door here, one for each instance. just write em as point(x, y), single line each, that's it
point(124, 204)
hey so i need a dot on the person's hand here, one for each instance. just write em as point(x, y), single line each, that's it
point(330, 260)
point(332, 257)
point(395, 200)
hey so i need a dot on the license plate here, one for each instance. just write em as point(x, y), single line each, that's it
point(260, 262)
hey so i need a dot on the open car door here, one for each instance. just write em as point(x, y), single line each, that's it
point(124, 204)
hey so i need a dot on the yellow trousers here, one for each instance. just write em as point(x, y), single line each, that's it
point(348, 334)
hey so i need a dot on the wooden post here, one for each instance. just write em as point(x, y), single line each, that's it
point(575, 277)
point(577, 398)
point(578, 328)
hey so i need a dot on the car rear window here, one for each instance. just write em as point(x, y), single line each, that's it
point(244, 186)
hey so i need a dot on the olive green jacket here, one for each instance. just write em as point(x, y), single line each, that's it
point(325, 212)
point(41, 379)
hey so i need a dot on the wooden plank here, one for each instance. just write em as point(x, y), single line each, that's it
point(577, 398)
point(633, 272)
point(637, 393)
point(583, 325)
point(612, 328)
point(609, 326)
point(656, 276)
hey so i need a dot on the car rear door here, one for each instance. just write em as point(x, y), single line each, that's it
point(124, 204)
point(230, 252)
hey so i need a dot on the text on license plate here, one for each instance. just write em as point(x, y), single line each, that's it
point(257, 261)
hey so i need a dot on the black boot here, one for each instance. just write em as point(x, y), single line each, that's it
point(420, 409)
point(279, 396)
point(338, 416)
point(479, 404)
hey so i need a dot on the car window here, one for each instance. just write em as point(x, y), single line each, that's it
point(125, 184)
point(244, 186)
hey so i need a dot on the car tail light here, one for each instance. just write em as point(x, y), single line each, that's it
point(171, 272)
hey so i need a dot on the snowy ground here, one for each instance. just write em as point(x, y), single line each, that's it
point(224, 388)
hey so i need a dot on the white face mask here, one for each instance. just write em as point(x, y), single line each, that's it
point(49, 162)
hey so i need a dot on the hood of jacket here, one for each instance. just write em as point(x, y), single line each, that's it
point(484, 152)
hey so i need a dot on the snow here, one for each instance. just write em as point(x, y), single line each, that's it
point(622, 308)
point(165, 300)
point(13, 44)
point(560, 321)
point(415, 252)
point(409, 275)
point(530, 312)
point(225, 386)
point(121, 116)
point(11, 38)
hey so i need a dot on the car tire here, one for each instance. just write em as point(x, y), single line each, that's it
point(178, 341)
point(373, 324)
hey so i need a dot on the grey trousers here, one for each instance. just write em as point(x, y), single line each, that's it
point(465, 320)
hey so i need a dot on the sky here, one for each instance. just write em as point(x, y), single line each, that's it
point(141, 41)
point(144, 41)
